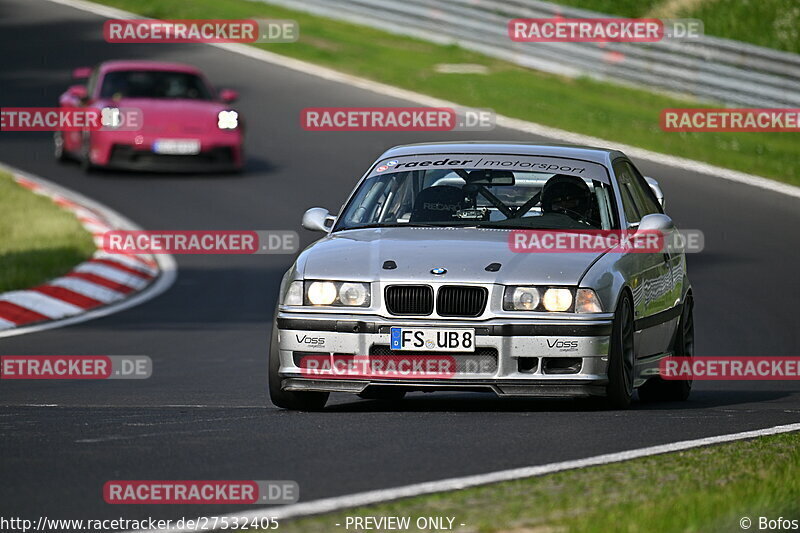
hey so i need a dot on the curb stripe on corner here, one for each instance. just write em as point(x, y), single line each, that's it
point(102, 279)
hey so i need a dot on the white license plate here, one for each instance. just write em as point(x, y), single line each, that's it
point(177, 146)
point(433, 339)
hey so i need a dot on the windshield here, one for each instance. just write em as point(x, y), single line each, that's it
point(154, 84)
point(480, 197)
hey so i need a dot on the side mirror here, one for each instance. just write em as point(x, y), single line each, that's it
point(228, 96)
point(318, 219)
point(656, 188)
point(79, 92)
point(656, 222)
point(81, 73)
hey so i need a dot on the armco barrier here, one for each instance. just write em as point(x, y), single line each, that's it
point(708, 68)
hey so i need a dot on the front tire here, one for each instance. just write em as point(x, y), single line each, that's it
point(658, 389)
point(621, 356)
point(84, 159)
point(291, 400)
point(58, 146)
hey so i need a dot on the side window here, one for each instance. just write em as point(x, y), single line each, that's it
point(646, 201)
point(625, 181)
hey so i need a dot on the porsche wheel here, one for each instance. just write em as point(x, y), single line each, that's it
point(84, 159)
point(58, 146)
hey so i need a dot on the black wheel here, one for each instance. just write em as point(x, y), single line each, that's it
point(621, 356)
point(58, 146)
point(657, 389)
point(84, 159)
point(294, 401)
point(386, 394)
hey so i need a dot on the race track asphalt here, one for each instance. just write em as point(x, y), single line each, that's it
point(205, 413)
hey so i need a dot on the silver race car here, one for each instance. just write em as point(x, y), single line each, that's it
point(419, 282)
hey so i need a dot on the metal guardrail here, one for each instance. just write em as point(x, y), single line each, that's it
point(708, 68)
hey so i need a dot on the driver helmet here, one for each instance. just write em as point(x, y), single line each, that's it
point(568, 194)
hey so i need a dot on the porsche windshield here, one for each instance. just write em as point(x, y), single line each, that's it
point(479, 197)
point(154, 84)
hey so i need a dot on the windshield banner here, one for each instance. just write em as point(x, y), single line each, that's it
point(514, 163)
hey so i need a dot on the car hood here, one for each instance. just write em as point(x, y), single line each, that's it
point(164, 116)
point(358, 255)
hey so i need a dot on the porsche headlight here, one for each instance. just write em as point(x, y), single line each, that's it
point(337, 293)
point(521, 299)
point(110, 117)
point(557, 299)
point(228, 120)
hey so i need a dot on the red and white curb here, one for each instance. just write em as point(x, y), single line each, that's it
point(104, 284)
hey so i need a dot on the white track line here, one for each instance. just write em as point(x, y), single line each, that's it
point(359, 499)
point(502, 121)
point(118, 301)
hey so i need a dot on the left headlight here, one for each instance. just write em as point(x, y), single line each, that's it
point(110, 117)
point(329, 293)
point(551, 299)
point(228, 120)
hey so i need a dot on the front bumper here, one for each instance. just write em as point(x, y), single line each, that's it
point(544, 358)
point(130, 150)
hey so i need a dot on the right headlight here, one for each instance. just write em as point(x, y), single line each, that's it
point(228, 120)
point(551, 299)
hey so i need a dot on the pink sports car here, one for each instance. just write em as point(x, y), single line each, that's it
point(186, 125)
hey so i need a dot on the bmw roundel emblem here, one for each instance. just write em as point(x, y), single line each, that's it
point(439, 271)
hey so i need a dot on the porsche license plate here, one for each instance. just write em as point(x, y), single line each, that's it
point(177, 146)
point(433, 339)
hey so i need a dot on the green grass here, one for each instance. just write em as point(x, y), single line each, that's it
point(38, 239)
point(702, 490)
point(770, 23)
point(616, 113)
